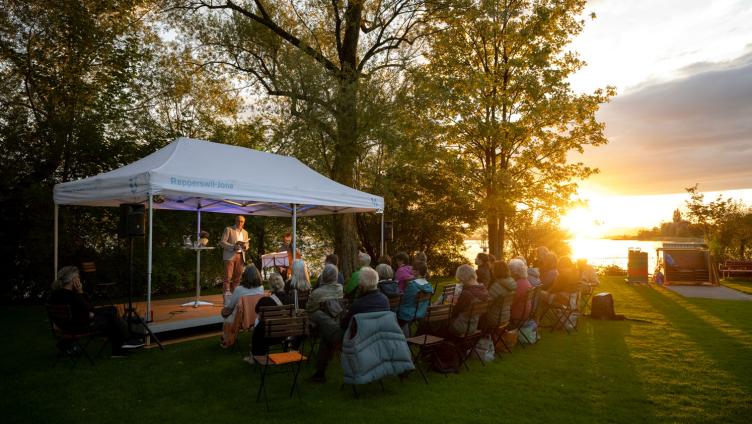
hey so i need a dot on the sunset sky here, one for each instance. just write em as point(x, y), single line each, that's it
point(683, 113)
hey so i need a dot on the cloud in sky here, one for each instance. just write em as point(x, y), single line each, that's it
point(670, 135)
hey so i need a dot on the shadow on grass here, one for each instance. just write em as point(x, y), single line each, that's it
point(727, 353)
point(622, 387)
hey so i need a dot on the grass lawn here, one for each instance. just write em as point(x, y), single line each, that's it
point(691, 362)
point(740, 284)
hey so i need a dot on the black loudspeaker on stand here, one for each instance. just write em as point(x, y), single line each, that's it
point(133, 225)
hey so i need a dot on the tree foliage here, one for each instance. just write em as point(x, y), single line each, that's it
point(726, 223)
point(498, 73)
point(320, 57)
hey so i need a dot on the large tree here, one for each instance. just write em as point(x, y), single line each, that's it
point(319, 56)
point(85, 86)
point(499, 72)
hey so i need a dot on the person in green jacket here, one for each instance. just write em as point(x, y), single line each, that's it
point(351, 289)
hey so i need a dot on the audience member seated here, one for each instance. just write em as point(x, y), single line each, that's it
point(549, 271)
point(518, 271)
point(67, 289)
point(329, 289)
point(588, 276)
point(501, 293)
point(259, 344)
point(472, 292)
point(540, 258)
point(533, 276)
point(351, 289)
point(331, 329)
point(250, 285)
point(404, 272)
point(387, 284)
point(407, 310)
point(334, 260)
point(484, 269)
point(299, 282)
point(566, 285)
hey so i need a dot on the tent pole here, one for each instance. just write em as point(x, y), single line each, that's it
point(294, 246)
point(148, 260)
point(198, 253)
point(55, 243)
point(381, 251)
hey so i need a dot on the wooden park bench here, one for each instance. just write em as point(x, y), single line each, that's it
point(735, 268)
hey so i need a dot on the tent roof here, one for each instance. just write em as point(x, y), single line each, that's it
point(193, 174)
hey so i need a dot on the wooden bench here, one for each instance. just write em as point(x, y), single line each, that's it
point(734, 268)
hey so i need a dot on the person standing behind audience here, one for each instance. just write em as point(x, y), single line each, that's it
point(404, 272)
point(234, 244)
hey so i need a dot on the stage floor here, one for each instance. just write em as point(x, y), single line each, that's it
point(170, 314)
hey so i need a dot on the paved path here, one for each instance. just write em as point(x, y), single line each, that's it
point(710, 292)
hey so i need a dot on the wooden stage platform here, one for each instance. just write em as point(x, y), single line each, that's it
point(170, 314)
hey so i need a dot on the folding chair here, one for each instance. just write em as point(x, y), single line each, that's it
point(465, 343)
point(529, 313)
point(586, 294)
point(98, 290)
point(280, 330)
point(420, 298)
point(561, 311)
point(69, 343)
point(495, 326)
point(314, 336)
point(436, 321)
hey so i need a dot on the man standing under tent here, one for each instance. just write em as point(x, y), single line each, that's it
point(234, 243)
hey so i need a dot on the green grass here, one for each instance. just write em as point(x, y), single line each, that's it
point(740, 284)
point(691, 362)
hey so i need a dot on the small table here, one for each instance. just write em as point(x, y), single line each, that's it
point(198, 302)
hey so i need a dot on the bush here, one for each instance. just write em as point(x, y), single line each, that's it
point(613, 270)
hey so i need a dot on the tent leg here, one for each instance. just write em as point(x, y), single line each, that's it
point(381, 249)
point(149, 316)
point(294, 245)
point(55, 242)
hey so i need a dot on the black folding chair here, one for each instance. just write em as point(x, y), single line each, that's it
point(465, 343)
point(435, 322)
point(71, 344)
point(279, 330)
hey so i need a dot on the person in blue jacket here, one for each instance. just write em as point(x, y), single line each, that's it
point(408, 310)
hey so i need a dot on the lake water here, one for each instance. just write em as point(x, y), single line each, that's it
point(598, 252)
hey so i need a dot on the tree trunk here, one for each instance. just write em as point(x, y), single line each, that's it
point(502, 234)
point(343, 171)
point(493, 234)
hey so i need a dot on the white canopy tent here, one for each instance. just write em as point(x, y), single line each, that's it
point(202, 176)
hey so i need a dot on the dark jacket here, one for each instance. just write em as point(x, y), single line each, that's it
point(372, 301)
point(80, 309)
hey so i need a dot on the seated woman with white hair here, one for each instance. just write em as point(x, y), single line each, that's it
point(300, 281)
point(472, 292)
point(520, 305)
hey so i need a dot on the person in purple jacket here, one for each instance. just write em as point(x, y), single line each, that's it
point(404, 273)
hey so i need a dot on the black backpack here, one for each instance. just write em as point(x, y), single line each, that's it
point(602, 306)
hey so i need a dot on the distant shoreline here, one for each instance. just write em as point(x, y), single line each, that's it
point(672, 239)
